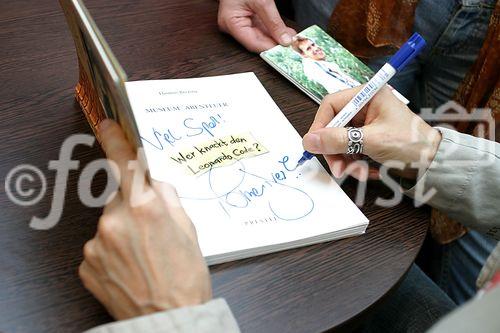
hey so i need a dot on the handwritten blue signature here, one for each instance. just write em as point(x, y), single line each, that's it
point(284, 201)
point(190, 127)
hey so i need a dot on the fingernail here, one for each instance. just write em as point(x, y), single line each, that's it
point(286, 39)
point(312, 142)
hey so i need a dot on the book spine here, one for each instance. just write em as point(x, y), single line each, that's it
point(88, 100)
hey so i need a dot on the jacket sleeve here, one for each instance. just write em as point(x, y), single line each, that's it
point(464, 181)
point(477, 315)
point(213, 316)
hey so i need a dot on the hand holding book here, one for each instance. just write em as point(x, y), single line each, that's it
point(153, 229)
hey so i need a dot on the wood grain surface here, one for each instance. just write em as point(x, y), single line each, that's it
point(311, 289)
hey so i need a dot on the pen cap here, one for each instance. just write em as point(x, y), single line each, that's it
point(407, 52)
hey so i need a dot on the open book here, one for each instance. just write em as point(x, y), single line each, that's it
point(226, 147)
point(318, 65)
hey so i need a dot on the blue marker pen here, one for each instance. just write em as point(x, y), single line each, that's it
point(405, 54)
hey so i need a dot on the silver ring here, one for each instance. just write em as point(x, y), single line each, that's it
point(354, 140)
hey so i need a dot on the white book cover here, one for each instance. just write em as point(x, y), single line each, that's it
point(231, 153)
point(226, 147)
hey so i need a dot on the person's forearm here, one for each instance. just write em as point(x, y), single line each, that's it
point(465, 177)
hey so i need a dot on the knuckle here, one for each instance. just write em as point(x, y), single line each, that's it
point(107, 226)
point(85, 276)
point(89, 250)
point(333, 140)
point(325, 141)
point(322, 140)
point(232, 24)
point(274, 24)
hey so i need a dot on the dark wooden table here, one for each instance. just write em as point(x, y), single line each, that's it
point(310, 289)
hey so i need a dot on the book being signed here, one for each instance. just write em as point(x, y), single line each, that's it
point(225, 146)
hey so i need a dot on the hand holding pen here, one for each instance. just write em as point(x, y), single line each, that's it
point(405, 54)
point(392, 132)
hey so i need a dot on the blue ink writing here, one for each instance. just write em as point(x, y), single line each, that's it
point(159, 137)
point(198, 128)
